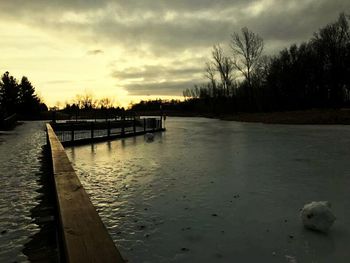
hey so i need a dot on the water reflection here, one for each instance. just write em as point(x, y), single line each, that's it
point(109, 146)
point(123, 143)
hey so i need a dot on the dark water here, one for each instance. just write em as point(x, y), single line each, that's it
point(215, 191)
point(20, 163)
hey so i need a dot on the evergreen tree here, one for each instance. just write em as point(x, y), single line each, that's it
point(8, 94)
point(28, 102)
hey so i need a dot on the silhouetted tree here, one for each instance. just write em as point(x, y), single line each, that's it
point(28, 102)
point(210, 73)
point(224, 67)
point(332, 46)
point(105, 103)
point(8, 93)
point(19, 98)
point(247, 50)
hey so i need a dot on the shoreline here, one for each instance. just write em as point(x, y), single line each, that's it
point(305, 117)
point(297, 117)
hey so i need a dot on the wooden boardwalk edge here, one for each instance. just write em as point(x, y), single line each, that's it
point(84, 235)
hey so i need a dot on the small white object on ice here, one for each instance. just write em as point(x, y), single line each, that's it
point(149, 137)
point(317, 216)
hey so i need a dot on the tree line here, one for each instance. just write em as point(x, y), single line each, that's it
point(314, 74)
point(86, 106)
point(19, 97)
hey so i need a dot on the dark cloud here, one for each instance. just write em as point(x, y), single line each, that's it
point(176, 25)
point(169, 79)
point(166, 29)
point(95, 52)
point(129, 6)
point(166, 88)
point(153, 73)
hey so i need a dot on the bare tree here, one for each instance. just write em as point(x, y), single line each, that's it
point(105, 103)
point(262, 68)
point(224, 66)
point(186, 93)
point(85, 101)
point(210, 73)
point(247, 50)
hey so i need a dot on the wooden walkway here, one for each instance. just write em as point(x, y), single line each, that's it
point(84, 236)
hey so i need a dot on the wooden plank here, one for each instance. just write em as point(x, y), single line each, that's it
point(85, 237)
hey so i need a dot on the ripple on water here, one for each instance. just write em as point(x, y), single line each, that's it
point(20, 164)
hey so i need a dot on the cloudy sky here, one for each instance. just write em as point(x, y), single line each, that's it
point(133, 49)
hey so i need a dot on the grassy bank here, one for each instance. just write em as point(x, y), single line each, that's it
point(324, 116)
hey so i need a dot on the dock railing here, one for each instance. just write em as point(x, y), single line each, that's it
point(81, 132)
point(84, 236)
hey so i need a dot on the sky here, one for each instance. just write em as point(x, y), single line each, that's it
point(129, 50)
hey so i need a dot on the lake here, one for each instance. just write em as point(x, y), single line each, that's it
point(214, 191)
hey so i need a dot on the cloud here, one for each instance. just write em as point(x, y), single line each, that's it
point(176, 25)
point(165, 88)
point(156, 72)
point(158, 79)
point(168, 26)
point(164, 43)
point(94, 52)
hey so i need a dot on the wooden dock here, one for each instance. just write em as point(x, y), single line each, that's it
point(85, 132)
point(83, 234)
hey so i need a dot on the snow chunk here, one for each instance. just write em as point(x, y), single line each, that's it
point(317, 216)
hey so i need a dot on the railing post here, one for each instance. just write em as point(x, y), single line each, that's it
point(108, 129)
point(160, 122)
point(144, 124)
point(92, 130)
point(72, 133)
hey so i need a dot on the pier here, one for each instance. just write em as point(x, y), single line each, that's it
point(85, 132)
point(83, 236)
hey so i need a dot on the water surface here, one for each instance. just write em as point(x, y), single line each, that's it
point(215, 191)
point(20, 152)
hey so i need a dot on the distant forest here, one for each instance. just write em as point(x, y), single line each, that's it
point(19, 98)
point(314, 74)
